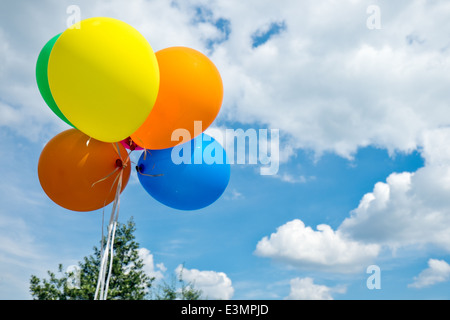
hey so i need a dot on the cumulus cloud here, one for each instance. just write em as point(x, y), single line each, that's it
point(409, 208)
point(306, 289)
point(337, 88)
point(152, 270)
point(437, 271)
point(213, 285)
point(323, 249)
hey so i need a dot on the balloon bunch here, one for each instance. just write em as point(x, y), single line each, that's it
point(103, 79)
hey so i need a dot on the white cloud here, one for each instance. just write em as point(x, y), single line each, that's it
point(437, 271)
point(150, 268)
point(324, 249)
point(8, 115)
point(306, 289)
point(326, 80)
point(332, 84)
point(409, 208)
point(213, 285)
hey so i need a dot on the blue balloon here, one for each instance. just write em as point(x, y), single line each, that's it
point(189, 176)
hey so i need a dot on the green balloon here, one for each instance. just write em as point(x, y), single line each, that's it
point(42, 78)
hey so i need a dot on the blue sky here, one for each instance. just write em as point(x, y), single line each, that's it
point(364, 170)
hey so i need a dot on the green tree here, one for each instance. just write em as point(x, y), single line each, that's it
point(128, 280)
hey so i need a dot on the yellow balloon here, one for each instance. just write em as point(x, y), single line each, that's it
point(104, 77)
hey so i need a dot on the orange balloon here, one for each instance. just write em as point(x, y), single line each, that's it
point(190, 90)
point(79, 173)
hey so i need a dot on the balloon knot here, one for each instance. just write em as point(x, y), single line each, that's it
point(119, 164)
point(131, 144)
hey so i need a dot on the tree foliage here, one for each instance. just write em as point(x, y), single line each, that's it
point(128, 280)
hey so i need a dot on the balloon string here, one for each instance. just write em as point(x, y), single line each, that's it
point(114, 225)
point(101, 291)
point(107, 252)
point(104, 276)
point(138, 169)
point(123, 164)
point(117, 149)
point(145, 150)
point(148, 175)
point(103, 215)
point(105, 178)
